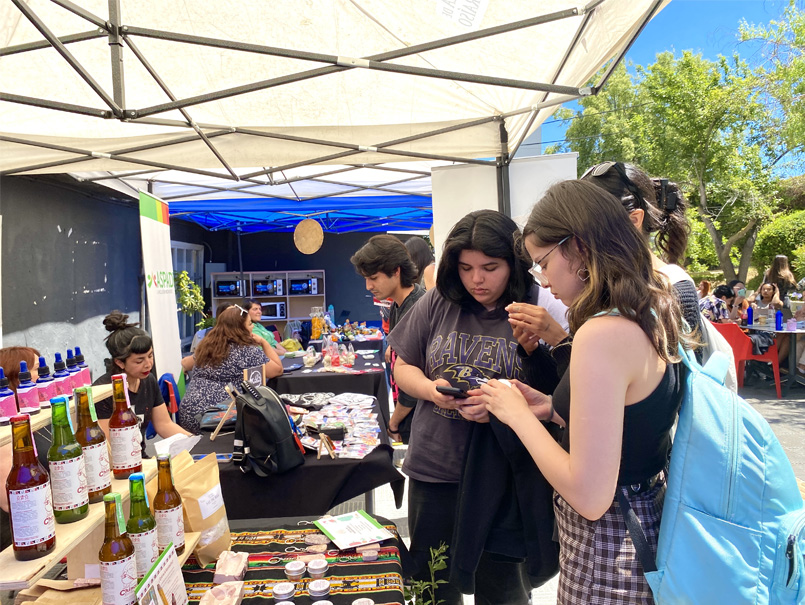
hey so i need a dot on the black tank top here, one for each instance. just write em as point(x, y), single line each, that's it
point(646, 426)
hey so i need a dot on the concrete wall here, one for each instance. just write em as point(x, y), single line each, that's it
point(68, 258)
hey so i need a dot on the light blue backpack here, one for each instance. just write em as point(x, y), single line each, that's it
point(733, 523)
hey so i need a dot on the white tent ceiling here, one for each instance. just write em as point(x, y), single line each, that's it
point(244, 93)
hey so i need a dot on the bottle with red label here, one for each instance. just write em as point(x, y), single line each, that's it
point(168, 510)
point(116, 557)
point(85, 375)
point(61, 377)
point(33, 528)
point(125, 438)
point(68, 474)
point(45, 386)
point(27, 395)
point(92, 440)
point(8, 401)
point(141, 526)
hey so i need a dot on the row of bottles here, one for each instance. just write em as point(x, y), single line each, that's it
point(31, 396)
point(130, 549)
point(79, 467)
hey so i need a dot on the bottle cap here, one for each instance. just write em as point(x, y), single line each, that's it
point(20, 418)
point(3, 379)
point(43, 368)
point(79, 358)
point(24, 373)
point(59, 364)
point(70, 358)
point(59, 399)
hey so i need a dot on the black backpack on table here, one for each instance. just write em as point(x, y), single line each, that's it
point(264, 439)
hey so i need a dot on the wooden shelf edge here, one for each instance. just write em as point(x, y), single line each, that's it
point(16, 575)
point(99, 393)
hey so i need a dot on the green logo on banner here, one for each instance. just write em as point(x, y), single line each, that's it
point(160, 279)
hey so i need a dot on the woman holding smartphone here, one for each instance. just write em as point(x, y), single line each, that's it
point(464, 466)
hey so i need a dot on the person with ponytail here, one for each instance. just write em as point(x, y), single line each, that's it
point(617, 402)
point(132, 352)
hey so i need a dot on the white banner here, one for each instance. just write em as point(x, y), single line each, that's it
point(161, 298)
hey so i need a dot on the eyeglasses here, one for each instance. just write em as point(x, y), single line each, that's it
point(536, 268)
point(632, 200)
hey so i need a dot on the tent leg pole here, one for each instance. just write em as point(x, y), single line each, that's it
point(116, 53)
point(240, 254)
point(502, 171)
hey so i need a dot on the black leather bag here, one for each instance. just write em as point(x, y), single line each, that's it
point(264, 439)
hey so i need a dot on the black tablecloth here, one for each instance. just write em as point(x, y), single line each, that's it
point(372, 382)
point(350, 577)
point(310, 489)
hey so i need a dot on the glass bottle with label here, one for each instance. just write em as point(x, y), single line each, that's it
point(124, 432)
point(68, 474)
point(168, 508)
point(141, 527)
point(92, 440)
point(33, 529)
point(116, 557)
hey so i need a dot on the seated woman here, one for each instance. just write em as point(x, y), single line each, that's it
point(255, 310)
point(228, 349)
point(132, 354)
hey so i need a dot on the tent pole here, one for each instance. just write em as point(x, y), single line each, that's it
point(239, 231)
point(116, 54)
point(502, 172)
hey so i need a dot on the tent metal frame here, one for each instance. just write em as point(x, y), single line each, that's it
point(122, 35)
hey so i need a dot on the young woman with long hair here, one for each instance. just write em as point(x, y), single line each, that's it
point(466, 477)
point(421, 254)
point(780, 275)
point(619, 399)
point(227, 349)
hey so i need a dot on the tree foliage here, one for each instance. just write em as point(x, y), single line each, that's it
point(695, 122)
point(783, 235)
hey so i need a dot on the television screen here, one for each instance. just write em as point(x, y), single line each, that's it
point(227, 288)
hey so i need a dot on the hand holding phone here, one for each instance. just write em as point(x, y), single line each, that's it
point(452, 391)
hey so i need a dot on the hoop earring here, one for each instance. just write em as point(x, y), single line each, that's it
point(586, 274)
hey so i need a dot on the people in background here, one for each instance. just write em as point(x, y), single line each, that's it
point(714, 306)
point(738, 305)
point(703, 289)
point(780, 275)
point(132, 354)
point(228, 349)
point(202, 333)
point(425, 264)
point(767, 297)
point(255, 310)
point(619, 400)
point(390, 272)
point(464, 469)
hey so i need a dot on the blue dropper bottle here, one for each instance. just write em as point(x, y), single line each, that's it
point(8, 402)
point(61, 377)
point(45, 386)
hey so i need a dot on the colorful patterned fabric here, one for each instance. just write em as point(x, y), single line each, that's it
point(350, 577)
point(714, 309)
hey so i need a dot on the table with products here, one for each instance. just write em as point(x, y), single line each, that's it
point(792, 351)
point(370, 380)
point(311, 489)
point(374, 344)
point(270, 548)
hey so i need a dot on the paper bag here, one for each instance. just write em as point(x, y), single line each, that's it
point(179, 462)
point(204, 510)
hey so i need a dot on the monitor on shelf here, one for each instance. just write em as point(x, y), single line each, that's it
point(304, 286)
point(268, 287)
point(227, 288)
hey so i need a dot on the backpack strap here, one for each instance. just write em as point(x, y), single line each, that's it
point(636, 532)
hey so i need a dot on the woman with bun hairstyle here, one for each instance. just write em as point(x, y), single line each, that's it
point(227, 349)
point(132, 354)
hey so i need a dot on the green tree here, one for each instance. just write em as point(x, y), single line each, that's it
point(696, 122)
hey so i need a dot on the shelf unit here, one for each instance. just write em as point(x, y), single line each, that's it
point(258, 284)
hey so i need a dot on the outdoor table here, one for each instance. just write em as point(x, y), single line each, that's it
point(792, 351)
point(350, 577)
point(371, 380)
point(310, 489)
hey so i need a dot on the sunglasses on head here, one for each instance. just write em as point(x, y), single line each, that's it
point(634, 193)
point(242, 310)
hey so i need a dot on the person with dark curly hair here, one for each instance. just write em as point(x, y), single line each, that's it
point(132, 352)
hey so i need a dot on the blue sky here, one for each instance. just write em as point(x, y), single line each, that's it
point(709, 27)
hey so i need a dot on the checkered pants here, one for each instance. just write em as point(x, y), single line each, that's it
point(598, 564)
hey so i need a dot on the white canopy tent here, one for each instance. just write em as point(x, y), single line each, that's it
point(291, 100)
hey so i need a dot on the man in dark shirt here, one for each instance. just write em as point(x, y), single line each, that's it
point(389, 273)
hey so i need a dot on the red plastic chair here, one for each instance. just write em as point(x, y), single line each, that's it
point(742, 349)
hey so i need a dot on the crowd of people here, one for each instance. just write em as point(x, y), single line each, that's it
point(522, 424)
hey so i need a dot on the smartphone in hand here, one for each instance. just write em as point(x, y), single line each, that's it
point(452, 391)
